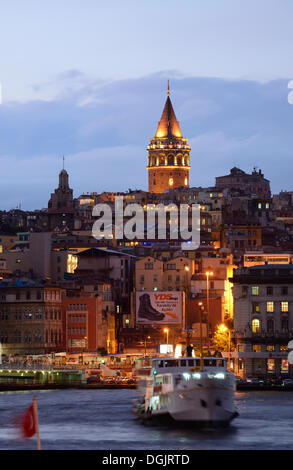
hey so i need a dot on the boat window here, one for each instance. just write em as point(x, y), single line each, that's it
point(171, 363)
point(197, 362)
point(191, 362)
point(159, 379)
point(221, 363)
point(210, 362)
point(167, 379)
point(183, 362)
point(161, 364)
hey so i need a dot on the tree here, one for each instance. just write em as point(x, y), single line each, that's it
point(222, 337)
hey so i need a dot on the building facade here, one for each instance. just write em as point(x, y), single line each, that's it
point(30, 318)
point(263, 319)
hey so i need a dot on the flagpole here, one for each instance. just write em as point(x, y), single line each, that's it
point(37, 421)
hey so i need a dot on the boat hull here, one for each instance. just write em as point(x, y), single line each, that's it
point(209, 403)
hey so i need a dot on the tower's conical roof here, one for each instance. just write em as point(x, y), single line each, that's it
point(168, 125)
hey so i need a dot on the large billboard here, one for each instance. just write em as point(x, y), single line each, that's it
point(159, 307)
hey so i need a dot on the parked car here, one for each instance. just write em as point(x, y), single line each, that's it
point(287, 382)
point(93, 379)
point(253, 380)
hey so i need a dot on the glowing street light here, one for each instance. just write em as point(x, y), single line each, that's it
point(145, 343)
point(166, 330)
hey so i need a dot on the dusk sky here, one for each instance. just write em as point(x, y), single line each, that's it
point(88, 79)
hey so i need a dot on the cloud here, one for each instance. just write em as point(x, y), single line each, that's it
point(103, 128)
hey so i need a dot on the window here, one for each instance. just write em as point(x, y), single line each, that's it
point(270, 306)
point(17, 337)
point(3, 337)
point(256, 348)
point(270, 347)
point(255, 290)
point(38, 314)
point(284, 307)
point(284, 366)
point(270, 290)
point(255, 325)
point(27, 337)
point(270, 325)
point(171, 266)
point(284, 325)
point(148, 266)
point(38, 338)
point(284, 290)
point(17, 315)
point(255, 307)
point(244, 290)
point(271, 365)
point(283, 347)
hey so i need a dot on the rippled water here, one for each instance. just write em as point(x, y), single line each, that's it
point(102, 419)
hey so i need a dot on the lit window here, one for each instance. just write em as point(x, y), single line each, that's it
point(255, 307)
point(283, 347)
point(270, 306)
point(284, 365)
point(284, 307)
point(186, 181)
point(255, 326)
point(259, 205)
point(255, 290)
point(171, 181)
point(256, 348)
point(271, 365)
point(270, 347)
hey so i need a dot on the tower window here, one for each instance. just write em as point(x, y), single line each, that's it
point(185, 182)
point(171, 181)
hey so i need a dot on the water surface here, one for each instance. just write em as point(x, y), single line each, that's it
point(103, 419)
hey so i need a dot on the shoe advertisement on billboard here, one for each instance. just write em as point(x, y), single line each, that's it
point(159, 307)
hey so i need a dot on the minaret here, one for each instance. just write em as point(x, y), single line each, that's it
point(168, 153)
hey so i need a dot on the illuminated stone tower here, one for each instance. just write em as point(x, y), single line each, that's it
point(168, 154)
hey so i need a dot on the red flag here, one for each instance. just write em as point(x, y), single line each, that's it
point(27, 423)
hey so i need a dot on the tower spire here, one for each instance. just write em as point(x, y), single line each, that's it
point(168, 153)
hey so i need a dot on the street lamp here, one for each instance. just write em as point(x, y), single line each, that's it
point(145, 343)
point(201, 308)
point(186, 268)
point(208, 274)
point(166, 330)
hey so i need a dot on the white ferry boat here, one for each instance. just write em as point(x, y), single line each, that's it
point(192, 390)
